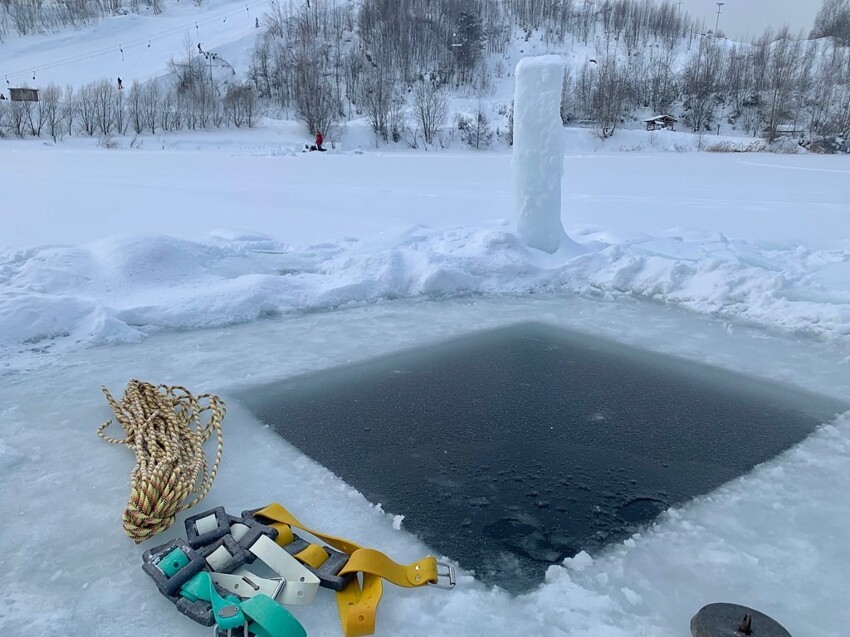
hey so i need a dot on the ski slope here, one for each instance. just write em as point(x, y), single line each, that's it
point(133, 46)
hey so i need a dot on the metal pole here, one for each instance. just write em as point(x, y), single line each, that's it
point(717, 22)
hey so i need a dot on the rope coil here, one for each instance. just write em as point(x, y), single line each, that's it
point(164, 428)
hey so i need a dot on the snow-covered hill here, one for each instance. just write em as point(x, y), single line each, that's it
point(660, 62)
point(131, 46)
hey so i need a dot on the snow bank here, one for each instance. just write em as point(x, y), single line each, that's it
point(762, 239)
point(632, 140)
point(121, 289)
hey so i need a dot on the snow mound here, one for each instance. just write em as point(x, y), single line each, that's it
point(123, 288)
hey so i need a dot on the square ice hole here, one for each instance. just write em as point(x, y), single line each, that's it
point(512, 449)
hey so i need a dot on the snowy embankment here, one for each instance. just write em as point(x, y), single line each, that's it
point(753, 253)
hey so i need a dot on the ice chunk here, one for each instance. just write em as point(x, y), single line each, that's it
point(538, 155)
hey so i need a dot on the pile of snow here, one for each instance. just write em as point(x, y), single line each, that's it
point(121, 289)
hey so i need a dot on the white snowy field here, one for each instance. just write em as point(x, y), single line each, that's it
point(104, 246)
point(243, 263)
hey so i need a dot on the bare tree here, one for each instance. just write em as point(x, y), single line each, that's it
point(431, 108)
point(782, 67)
point(150, 99)
point(86, 108)
point(240, 104)
point(104, 106)
point(315, 98)
point(4, 120)
point(136, 111)
point(169, 114)
point(120, 110)
point(700, 83)
point(17, 118)
point(376, 95)
point(69, 109)
point(50, 110)
point(608, 97)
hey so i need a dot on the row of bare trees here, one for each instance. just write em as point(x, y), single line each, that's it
point(35, 16)
point(625, 21)
point(777, 83)
point(102, 109)
point(324, 61)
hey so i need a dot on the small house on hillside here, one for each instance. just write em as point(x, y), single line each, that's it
point(23, 94)
point(660, 122)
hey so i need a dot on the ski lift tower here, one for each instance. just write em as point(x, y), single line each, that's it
point(717, 22)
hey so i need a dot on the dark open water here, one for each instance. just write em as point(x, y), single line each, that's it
point(512, 449)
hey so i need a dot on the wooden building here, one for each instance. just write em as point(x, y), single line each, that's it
point(660, 122)
point(23, 94)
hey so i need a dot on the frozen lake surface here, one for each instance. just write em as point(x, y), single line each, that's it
point(781, 520)
point(129, 266)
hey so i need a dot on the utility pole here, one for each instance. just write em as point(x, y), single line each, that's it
point(717, 22)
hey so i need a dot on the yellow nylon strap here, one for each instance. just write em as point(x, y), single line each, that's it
point(361, 560)
point(376, 563)
point(358, 607)
point(314, 555)
point(285, 535)
point(276, 513)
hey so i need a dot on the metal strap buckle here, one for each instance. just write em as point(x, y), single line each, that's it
point(281, 582)
point(448, 571)
point(228, 632)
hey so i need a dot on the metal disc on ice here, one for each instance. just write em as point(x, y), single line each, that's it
point(732, 620)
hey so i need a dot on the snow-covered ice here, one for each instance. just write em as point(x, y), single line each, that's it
point(772, 539)
point(100, 258)
point(247, 264)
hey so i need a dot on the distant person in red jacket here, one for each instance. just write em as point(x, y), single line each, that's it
point(319, 140)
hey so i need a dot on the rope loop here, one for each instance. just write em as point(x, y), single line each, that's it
point(166, 426)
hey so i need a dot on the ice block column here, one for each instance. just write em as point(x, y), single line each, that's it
point(538, 154)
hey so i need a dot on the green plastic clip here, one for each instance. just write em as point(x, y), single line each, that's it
point(173, 562)
point(227, 611)
point(267, 618)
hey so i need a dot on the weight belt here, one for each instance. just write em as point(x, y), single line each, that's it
point(357, 605)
